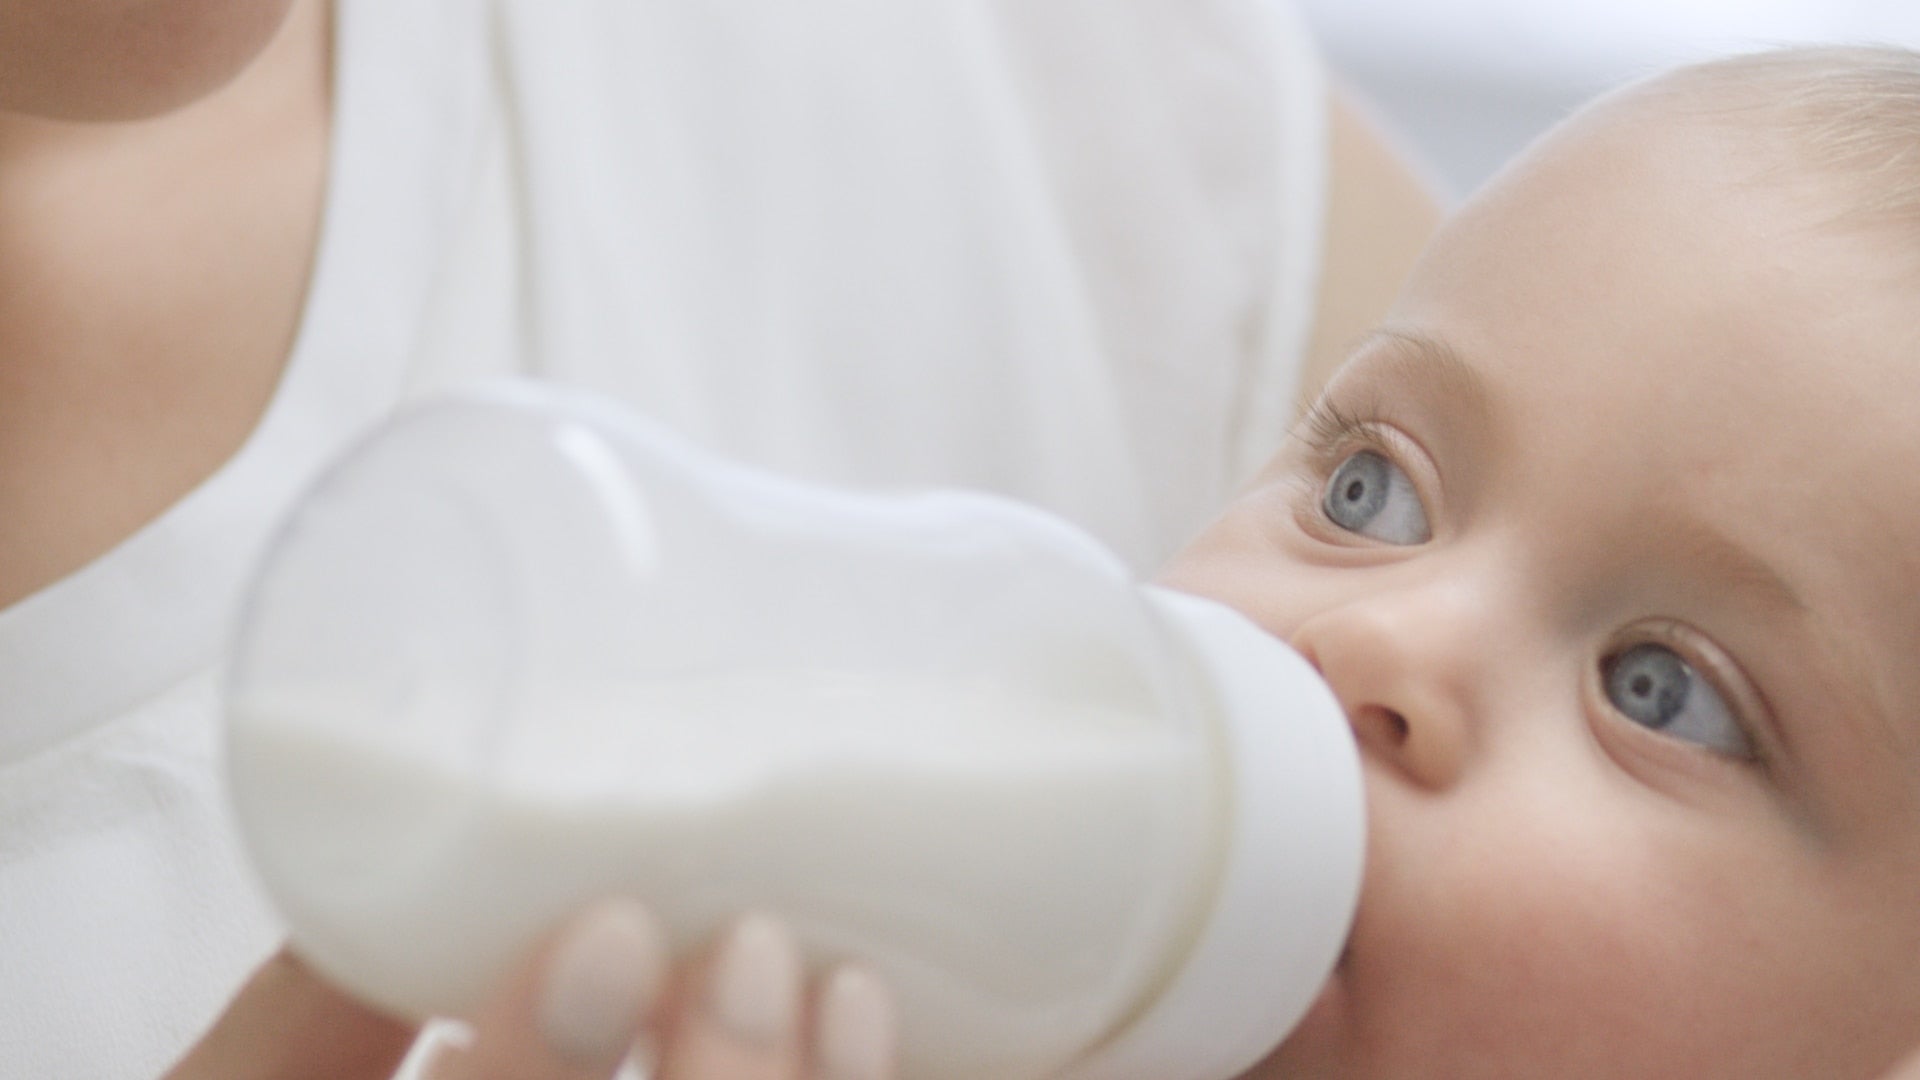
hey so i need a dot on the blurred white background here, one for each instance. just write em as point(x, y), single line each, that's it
point(1467, 83)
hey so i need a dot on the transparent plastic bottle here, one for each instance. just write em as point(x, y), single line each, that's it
point(519, 650)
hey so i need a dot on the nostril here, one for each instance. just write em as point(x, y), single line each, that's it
point(1381, 727)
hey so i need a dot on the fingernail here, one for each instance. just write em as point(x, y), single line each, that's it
point(856, 1033)
point(643, 1058)
point(606, 971)
point(636, 1067)
point(755, 990)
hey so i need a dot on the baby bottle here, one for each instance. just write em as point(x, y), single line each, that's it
point(520, 650)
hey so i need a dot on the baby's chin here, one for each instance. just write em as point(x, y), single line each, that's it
point(1319, 1047)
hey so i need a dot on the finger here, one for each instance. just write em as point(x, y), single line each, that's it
point(741, 1020)
point(1907, 1070)
point(854, 1036)
point(287, 1022)
point(571, 1013)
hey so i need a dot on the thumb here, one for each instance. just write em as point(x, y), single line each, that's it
point(288, 1024)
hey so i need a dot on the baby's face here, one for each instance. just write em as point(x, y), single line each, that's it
point(1610, 546)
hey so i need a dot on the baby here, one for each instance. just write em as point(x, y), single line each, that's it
point(1609, 541)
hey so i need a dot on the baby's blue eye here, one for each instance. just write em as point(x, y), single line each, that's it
point(1653, 687)
point(1369, 495)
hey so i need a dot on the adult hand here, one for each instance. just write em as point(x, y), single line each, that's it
point(589, 996)
point(1907, 1070)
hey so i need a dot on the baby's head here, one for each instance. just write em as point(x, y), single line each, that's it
point(1609, 542)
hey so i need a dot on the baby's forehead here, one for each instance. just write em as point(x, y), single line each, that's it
point(1709, 245)
point(1841, 124)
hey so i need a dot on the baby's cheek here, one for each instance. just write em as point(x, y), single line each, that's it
point(1255, 583)
point(1555, 935)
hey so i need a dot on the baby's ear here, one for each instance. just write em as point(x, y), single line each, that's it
point(1381, 210)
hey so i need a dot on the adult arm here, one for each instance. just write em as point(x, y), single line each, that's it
point(285, 1023)
point(1379, 213)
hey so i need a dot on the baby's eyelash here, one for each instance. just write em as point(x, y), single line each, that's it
point(1327, 428)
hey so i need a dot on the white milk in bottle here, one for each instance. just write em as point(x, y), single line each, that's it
point(519, 651)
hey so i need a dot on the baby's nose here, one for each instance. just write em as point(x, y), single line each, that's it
point(1404, 683)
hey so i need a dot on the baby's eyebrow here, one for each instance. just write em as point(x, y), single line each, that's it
point(1400, 354)
point(1725, 560)
point(1394, 354)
